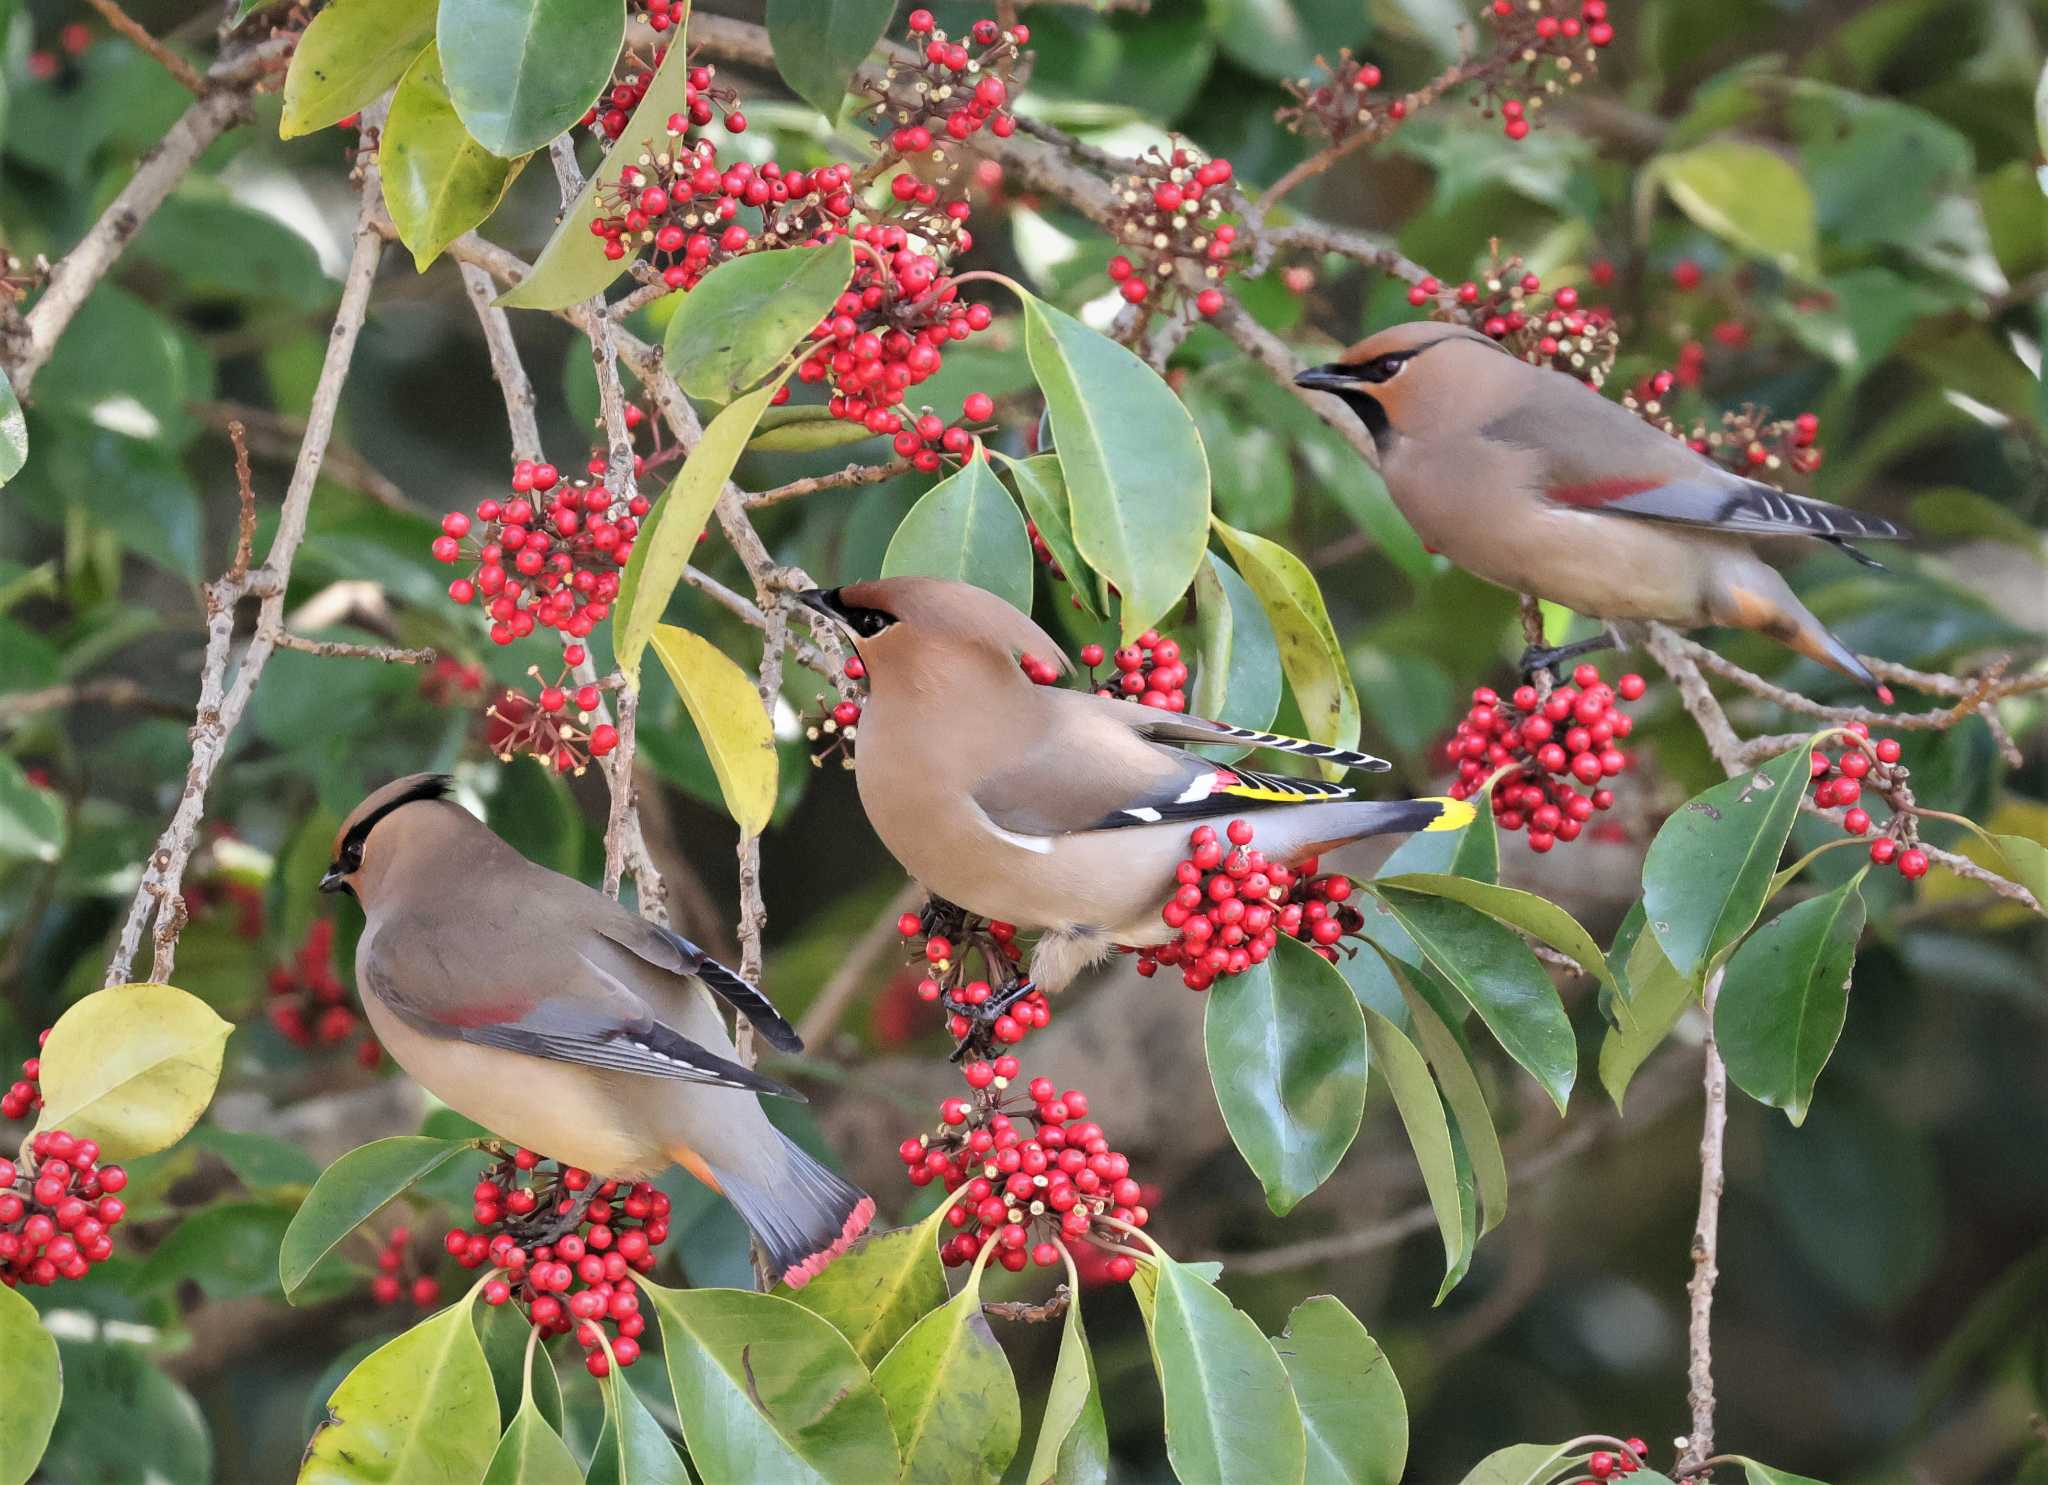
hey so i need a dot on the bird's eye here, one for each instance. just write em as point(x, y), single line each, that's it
point(352, 856)
point(869, 622)
point(1382, 368)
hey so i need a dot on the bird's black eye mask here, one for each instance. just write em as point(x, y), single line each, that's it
point(864, 623)
point(349, 859)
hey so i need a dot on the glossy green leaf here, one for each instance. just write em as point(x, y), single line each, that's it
point(669, 535)
point(132, 1067)
point(504, 1333)
point(2028, 860)
point(950, 1394)
point(1236, 662)
point(880, 1287)
point(1043, 489)
point(532, 1453)
point(1501, 979)
point(966, 527)
point(745, 316)
point(1658, 996)
point(1785, 998)
point(349, 1191)
point(631, 1448)
point(1351, 1402)
point(438, 182)
point(31, 819)
point(1747, 195)
point(1230, 1410)
point(125, 1421)
point(34, 1389)
point(1536, 916)
point(228, 1250)
point(419, 1410)
point(729, 717)
point(1518, 1464)
point(13, 432)
point(1309, 651)
point(1137, 479)
point(348, 56)
point(766, 1390)
point(819, 43)
point(1462, 1095)
point(1763, 1474)
point(571, 267)
point(1073, 1438)
point(1286, 1048)
point(1709, 869)
point(805, 429)
point(1402, 1069)
point(522, 71)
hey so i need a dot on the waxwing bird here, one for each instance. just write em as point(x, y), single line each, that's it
point(556, 1018)
point(1532, 480)
point(1052, 808)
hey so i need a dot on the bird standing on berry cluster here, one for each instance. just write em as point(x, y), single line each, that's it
point(560, 1021)
point(1531, 479)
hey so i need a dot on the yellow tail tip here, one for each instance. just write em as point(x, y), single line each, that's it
point(1452, 814)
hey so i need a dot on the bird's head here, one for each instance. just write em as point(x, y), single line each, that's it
point(907, 626)
point(359, 861)
point(1410, 375)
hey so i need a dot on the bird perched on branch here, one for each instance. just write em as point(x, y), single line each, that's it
point(1532, 480)
point(1053, 808)
point(557, 1019)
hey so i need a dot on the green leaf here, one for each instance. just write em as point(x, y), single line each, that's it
point(1236, 662)
point(1406, 1075)
point(124, 1421)
point(1043, 489)
point(35, 1387)
point(1536, 916)
point(1709, 869)
point(504, 1333)
point(738, 324)
point(631, 1448)
point(1351, 1402)
point(348, 56)
point(766, 1390)
point(13, 432)
point(1309, 651)
point(419, 1410)
point(522, 71)
point(1137, 479)
point(805, 429)
point(950, 1395)
point(132, 1067)
point(1230, 1410)
point(229, 1250)
point(2029, 862)
point(1073, 1439)
point(1462, 1095)
point(571, 268)
point(1286, 1049)
point(1785, 998)
point(349, 1191)
point(880, 1287)
point(1494, 971)
point(1518, 1464)
point(1747, 195)
point(438, 182)
point(967, 528)
point(669, 535)
point(819, 43)
point(1658, 996)
point(31, 819)
point(532, 1453)
point(1763, 1474)
point(727, 711)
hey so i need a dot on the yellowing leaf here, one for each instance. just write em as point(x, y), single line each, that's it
point(438, 182)
point(132, 1067)
point(348, 56)
point(722, 701)
point(1747, 195)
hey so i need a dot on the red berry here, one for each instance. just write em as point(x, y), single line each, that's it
point(1912, 863)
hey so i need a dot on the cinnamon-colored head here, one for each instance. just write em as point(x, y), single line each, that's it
point(904, 625)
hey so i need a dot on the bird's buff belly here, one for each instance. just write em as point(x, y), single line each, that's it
point(1602, 566)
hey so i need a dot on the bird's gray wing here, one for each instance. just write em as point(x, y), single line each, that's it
point(1168, 727)
point(666, 950)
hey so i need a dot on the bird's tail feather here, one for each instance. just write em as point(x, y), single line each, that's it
point(802, 1214)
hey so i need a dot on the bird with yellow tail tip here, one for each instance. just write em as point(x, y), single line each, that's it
point(1052, 808)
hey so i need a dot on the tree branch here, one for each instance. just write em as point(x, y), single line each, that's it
point(822, 1017)
point(1699, 1444)
point(506, 368)
point(126, 25)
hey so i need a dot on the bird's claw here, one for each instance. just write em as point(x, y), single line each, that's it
point(1539, 657)
point(548, 1226)
point(984, 1016)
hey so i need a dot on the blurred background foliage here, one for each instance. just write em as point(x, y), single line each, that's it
point(1884, 1268)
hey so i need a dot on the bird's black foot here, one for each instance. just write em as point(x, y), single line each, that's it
point(943, 918)
point(1536, 657)
point(982, 1017)
point(548, 1225)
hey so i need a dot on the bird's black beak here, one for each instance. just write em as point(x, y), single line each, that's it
point(1331, 378)
point(334, 881)
point(825, 601)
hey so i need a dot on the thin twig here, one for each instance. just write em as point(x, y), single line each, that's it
point(1706, 1237)
point(245, 491)
point(849, 977)
point(1413, 103)
point(277, 435)
point(852, 477)
point(1319, 237)
point(112, 691)
point(337, 649)
point(126, 25)
point(1027, 1313)
point(506, 368)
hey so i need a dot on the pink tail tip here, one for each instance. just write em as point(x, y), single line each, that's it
point(799, 1274)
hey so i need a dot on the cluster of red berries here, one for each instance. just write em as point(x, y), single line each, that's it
point(1043, 552)
point(1344, 100)
point(1607, 1464)
point(1555, 329)
point(1748, 441)
point(1148, 671)
point(308, 1002)
point(661, 14)
point(552, 555)
point(542, 725)
point(73, 40)
point(581, 1277)
point(1232, 905)
point(679, 203)
point(1864, 767)
point(57, 1212)
point(1554, 44)
point(394, 1259)
point(25, 1095)
point(1027, 1193)
point(946, 974)
point(1554, 741)
point(449, 681)
point(838, 718)
point(951, 92)
point(1169, 221)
